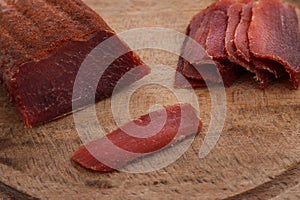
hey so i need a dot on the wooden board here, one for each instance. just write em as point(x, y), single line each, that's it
point(257, 156)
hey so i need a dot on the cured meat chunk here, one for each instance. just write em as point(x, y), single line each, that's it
point(43, 44)
point(274, 34)
point(104, 155)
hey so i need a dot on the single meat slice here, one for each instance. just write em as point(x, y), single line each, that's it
point(215, 43)
point(229, 71)
point(234, 18)
point(43, 44)
point(104, 154)
point(182, 81)
point(241, 34)
point(274, 34)
point(271, 66)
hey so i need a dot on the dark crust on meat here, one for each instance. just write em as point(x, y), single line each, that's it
point(43, 43)
point(37, 28)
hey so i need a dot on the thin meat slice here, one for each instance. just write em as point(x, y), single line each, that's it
point(241, 34)
point(274, 34)
point(42, 46)
point(269, 65)
point(120, 147)
point(229, 71)
point(234, 17)
point(215, 43)
point(182, 81)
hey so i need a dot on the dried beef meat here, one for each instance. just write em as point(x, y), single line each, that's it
point(274, 34)
point(126, 144)
point(43, 44)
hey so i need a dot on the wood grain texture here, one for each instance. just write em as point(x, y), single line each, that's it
point(257, 156)
point(7, 192)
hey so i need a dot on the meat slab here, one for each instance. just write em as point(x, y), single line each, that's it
point(43, 44)
point(103, 154)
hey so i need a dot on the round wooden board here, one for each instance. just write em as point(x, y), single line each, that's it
point(256, 157)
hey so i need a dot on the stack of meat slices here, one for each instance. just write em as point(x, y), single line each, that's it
point(259, 36)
